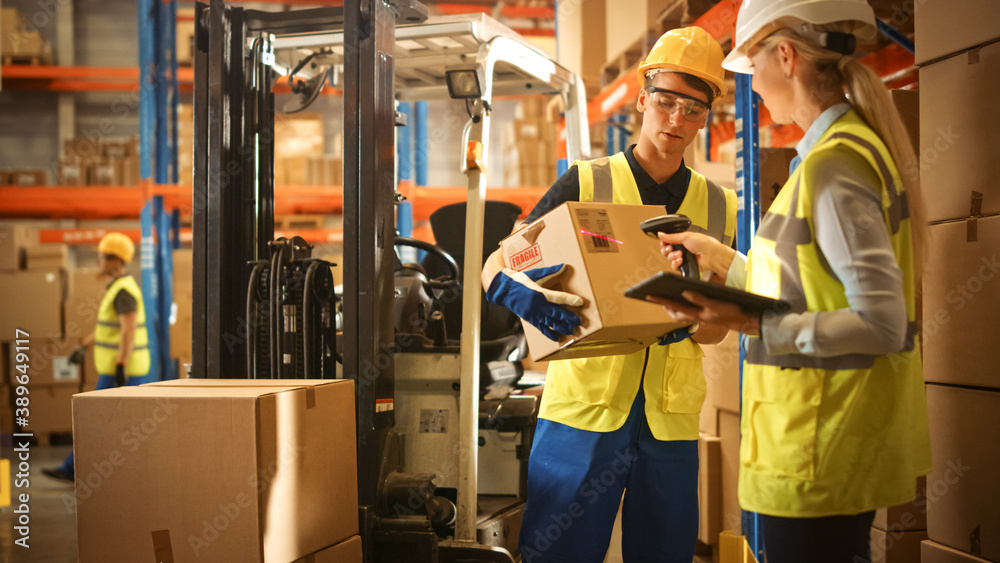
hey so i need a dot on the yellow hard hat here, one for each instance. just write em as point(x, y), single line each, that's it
point(690, 50)
point(117, 244)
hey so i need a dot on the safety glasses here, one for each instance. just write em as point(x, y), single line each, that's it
point(668, 101)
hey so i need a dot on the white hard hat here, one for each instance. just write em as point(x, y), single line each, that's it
point(759, 18)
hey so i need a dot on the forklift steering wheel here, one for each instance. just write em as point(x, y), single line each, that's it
point(454, 274)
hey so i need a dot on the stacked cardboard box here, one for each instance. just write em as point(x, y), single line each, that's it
point(959, 56)
point(180, 329)
point(105, 161)
point(20, 42)
point(254, 486)
point(531, 143)
point(24, 177)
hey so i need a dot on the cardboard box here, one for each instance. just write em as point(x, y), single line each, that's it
point(51, 407)
point(46, 257)
point(907, 103)
point(942, 30)
point(709, 489)
point(4, 178)
point(87, 289)
point(28, 177)
point(71, 171)
point(905, 517)
point(774, 164)
point(896, 547)
point(963, 489)
point(33, 303)
point(961, 304)
point(48, 362)
point(347, 551)
point(103, 172)
point(721, 365)
point(13, 240)
point(127, 170)
point(613, 255)
point(729, 436)
point(183, 322)
point(82, 148)
point(931, 552)
point(956, 139)
point(581, 40)
point(215, 470)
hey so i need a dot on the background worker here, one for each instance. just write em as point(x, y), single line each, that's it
point(120, 341)
point(835, 419)
point(627, 421)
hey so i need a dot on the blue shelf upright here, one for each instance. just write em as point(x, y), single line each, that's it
point(747, 220)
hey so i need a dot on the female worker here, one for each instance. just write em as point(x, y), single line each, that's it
point(834, 421)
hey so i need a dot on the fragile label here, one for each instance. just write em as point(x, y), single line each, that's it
point(526, 258)
point(595, 228)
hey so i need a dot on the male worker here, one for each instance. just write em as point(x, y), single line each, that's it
point(629, 422)
point(120, 352)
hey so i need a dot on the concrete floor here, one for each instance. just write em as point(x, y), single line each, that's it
point(52, 513)
point(52, 507)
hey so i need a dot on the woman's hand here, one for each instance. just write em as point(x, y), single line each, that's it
point(709, 311)
point(712, 254)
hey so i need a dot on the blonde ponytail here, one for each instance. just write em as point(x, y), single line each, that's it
point(871, 100)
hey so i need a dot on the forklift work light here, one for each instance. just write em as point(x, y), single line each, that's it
point(463, 84)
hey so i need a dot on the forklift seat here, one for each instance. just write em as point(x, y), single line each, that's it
point(500, 329)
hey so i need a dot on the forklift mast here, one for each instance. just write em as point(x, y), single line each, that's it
point(233, 200)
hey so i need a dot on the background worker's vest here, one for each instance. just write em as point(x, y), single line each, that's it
point(838, 435)
point(107, 335)
point(596, 394)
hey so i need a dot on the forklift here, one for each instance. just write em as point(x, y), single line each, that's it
point(429, 387)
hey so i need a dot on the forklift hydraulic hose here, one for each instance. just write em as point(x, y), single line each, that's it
point(275, 308)
point(307, 320)
point(251, 322)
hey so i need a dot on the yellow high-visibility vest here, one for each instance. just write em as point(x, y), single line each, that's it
point(839, 435)
point(107, 335)
point(596, 394)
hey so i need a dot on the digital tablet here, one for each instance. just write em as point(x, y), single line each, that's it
point(670, 286)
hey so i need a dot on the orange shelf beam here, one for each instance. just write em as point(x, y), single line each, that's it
point(89, 237)
point(110, 202)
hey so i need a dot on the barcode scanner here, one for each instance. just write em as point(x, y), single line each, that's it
point(671, 224)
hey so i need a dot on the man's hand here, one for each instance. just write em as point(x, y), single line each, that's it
point(521, 292)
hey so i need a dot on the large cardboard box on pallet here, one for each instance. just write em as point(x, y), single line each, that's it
point(956, 139)
point(963, 489)
point(32, 303)
point(605, 252)
point(729, 435)
point(941, 29)
point(215, 470)
point(961, 303)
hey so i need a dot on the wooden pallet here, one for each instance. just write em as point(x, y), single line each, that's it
point(290, 222)
point(26, 59)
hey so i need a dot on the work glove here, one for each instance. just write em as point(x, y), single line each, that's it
point(523, 294)
point(120, 375)
point(677, 335)
point(78, 355)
